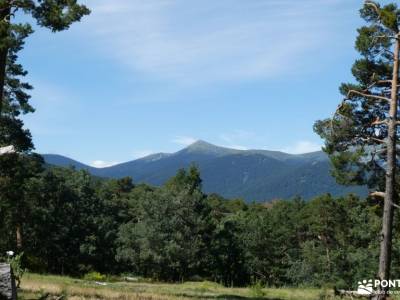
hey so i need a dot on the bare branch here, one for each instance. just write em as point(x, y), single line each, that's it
point(384, 37)
point(379, 82)
point(390, 37)
point(377, 194)
point(388, 51)
point(337, 111)
point(369, 139)
point(368, 95)
point(374, 6)
point(379, 122)
point(383, 198)
point(384, 81)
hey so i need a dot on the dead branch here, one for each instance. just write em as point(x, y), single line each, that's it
point(377, 194)
point(368, 95)
point(384, 37)
point(375, 83)
point(379, 122)
point(374, 6)
point(369, 139)
point(337, 111)
point(383, 198)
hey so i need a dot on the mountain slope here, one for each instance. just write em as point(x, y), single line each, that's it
point(254, 175)
point(62, 161)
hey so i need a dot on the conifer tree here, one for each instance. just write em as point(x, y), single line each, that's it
point(361, 138)
point(57, 15)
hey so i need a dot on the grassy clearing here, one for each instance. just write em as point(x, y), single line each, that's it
point(55, 287)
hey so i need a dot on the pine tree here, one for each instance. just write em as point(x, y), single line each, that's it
point(14, 98)
point(361, 137)
point(57, 15)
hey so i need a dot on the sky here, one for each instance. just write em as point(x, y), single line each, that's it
point(138, 77)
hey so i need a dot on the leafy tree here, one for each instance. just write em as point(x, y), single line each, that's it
point(361, 138)
point(169, 238)
point(72, 229)
point(227, 259)
point(185, 180)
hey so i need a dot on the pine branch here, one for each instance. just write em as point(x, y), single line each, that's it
point(374, 6)
point(379, 122)
point(367, 95)
point(377, 194)
point(369, 139)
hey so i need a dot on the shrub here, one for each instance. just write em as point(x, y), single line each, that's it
point(16, 266)
point(94, 276)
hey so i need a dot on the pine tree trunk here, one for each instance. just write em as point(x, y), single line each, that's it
point(18, 232)
point(387, 222)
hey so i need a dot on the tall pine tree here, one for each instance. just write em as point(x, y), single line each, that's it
point(56, 15)
point(361, 138)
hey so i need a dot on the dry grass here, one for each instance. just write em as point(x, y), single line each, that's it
point(56, 287)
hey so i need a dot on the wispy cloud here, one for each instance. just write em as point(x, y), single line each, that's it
point(184, 140)
point(302, 147)
point(102, 164)
point(203, 41)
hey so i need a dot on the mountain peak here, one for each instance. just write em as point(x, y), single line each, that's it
point(201, 144)
point(204, 147)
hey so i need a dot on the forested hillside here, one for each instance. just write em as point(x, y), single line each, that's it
point(73, 223)
point(253, 175)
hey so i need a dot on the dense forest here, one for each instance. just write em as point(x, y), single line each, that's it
point(70, 222)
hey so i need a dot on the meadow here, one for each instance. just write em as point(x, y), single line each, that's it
point(35, 286)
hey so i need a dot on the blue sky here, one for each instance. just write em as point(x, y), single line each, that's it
point(138, 77)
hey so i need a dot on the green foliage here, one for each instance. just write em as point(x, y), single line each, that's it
point(352, 137)
point(94, 276)
point(256, 290)
point(19, 171)
point(78, 223)
point(54, 14)
point(16, 266)
point(170, 236)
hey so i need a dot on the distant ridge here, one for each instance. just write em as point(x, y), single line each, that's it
point(254, 175)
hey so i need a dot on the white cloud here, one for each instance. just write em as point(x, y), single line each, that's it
point(302, 147)
point(102, 164)
point(184, 140)
point(203, 41)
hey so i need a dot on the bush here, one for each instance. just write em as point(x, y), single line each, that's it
point(94, 276)
point(16, 266)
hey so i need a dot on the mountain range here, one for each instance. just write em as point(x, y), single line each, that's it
point(253, 175)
